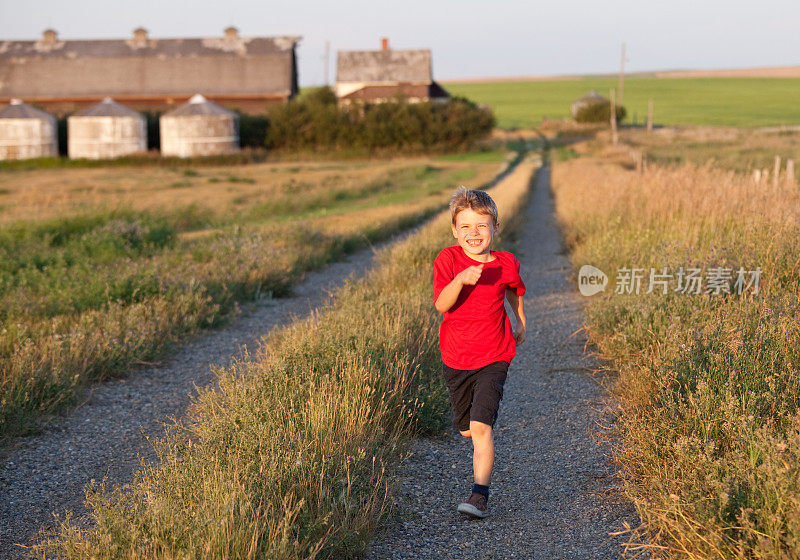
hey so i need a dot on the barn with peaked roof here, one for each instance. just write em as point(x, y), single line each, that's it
point(246, 73)
point(385, 74)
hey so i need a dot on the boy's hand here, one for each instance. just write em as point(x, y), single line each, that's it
point(519, 333)
point(470, 275)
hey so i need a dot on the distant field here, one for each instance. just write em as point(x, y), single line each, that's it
point(748, 102)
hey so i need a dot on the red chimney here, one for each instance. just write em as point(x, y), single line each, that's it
point(384, 44)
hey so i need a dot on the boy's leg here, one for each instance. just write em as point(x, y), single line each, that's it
point(487, 394)
point(483, 451)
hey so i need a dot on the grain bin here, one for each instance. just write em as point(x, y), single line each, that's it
point(26, 132)
point(199, 128)
point(106, 130)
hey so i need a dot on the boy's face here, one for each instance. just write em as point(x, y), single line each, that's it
point(474, 231)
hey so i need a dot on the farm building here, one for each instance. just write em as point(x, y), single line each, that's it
point(26, 132)
point(245, 73)
point(590, 98)
point(106, 130)
point(199, 128)
point(385, 74)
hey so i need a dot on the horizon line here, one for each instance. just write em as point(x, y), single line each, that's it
point(737, 72)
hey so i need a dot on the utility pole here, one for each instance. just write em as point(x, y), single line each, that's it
point(327, 61)
point(621, 87)
point(614, 136)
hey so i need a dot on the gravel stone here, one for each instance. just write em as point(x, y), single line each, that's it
point(554, 490)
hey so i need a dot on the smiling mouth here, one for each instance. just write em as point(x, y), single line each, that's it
point(474, 242)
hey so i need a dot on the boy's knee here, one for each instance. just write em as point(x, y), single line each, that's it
point(465, 433)
point(479, 429)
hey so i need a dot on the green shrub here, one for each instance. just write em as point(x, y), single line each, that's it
point(252, 129)
point(598, 112)
point(315, 121)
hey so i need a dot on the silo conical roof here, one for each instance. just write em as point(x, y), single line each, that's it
point(20, 110)
point(108, 108)
point(199, 105)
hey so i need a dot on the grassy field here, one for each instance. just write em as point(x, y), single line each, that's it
point(708, 381)
point(746, 102)
point(289, 458)
point(739, 150)
point(104, 268)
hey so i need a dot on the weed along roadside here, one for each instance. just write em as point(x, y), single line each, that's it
point(290, 457)
point(700, 319)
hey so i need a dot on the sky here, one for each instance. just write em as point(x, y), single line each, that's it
point(468, 39)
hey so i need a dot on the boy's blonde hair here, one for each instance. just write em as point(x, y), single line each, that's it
point(475, 200)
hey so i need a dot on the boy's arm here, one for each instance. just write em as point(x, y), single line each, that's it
point(449, 294)
point(518, 307)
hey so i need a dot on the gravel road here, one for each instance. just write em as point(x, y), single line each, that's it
point(106, 435)
point(553, 490)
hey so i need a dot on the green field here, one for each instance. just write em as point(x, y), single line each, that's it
point(749, 102)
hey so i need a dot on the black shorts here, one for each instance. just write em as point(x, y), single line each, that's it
point(475, 393)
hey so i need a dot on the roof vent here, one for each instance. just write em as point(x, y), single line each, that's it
point(197, 98)
point(140, 37)
point(231, 33)
point(49, 37)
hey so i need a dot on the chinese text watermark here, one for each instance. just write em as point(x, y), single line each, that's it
point(714, 281)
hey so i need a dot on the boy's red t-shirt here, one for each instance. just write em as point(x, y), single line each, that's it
point(476, 331)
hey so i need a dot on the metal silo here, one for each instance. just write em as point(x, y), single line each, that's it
point(199, 128)
point(26, 132)
point(106, 130)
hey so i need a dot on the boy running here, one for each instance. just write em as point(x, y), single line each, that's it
point(470, 285)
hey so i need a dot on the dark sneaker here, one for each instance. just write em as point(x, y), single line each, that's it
point(475, 506)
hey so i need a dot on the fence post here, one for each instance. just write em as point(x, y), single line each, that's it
point(614, 137)
point(776, 171)
point(650, 116)
point(790, 172)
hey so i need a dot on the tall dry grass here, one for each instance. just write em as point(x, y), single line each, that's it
point(708, 383)
point(220, 193)
point(90, 293)
point(740, 149)
point(288, 459)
